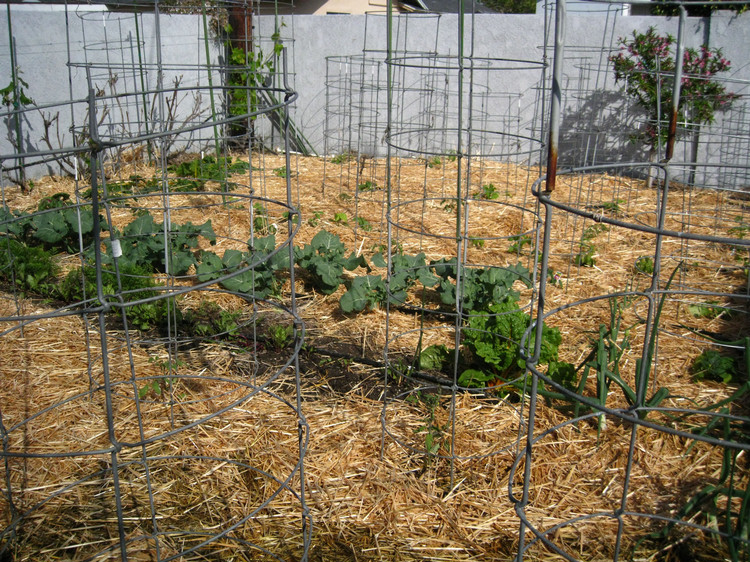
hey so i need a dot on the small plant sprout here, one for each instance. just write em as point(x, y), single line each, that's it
point(281, 171)
point(280, 336)
point(434, 162)
point(315, 219)
point(364, 224)
point(340, 218)
point(488, 191)
point(478, 243)
point(645, 265)
point(367, 186)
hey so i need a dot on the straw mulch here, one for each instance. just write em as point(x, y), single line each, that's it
point(371, 496)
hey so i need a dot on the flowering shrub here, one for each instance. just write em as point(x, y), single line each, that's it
point(646, 64)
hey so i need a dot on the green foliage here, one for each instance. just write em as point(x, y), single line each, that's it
point(9, 94)
point(366, 291)
point(481, 287)
point(315, 219)
point(30, 267)
point(143, 241)
point(324, 261)
point(406, 271)
point(493, 338)
point(716, 366)
point(281, 172)
point(340, 218)
point(586, 257)
point(512, 6)
point(367, 186)
point(344, 157)
point(488, 191)
point(364, 224)
point(435, 357)
point(478, 243)
point(646, 66)
point(434, 162)
point(194, 174)
point(136, 283)
point(645, 265)
point(209, 320)
point(518, 243)
point(56, 225)
point(253, 271)
point(280, 335)
point(710, 309)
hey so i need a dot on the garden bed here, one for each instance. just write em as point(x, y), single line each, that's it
point(369, 498)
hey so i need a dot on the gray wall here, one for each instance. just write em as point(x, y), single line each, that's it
point(337, 68)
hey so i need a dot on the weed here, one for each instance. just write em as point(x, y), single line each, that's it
point(315, 219)
point(280, 336)
point(488, 191)
point(367, 186)
point(344, 157)
point(433, 162)
point(281, 172)
point(364, 224)
point(477, 243)
point(644, 265)
point(340, 218)
point(518, 243)
point(585, 257)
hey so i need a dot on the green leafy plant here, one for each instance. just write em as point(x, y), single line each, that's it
point(210, 320)
point(586, 257)
point(518, 244)
point(364, 224)
point(716, 366)
point(164, 384)
point(324, 261)
point(135, 283)
point(646, 66)
point(488, 191)
point(709, 309)
point(344, 157)
point(434, 162)
point(480, 287)
point(645, 265)
point(280, 335)
point(367, 186)
point(142, 242)
point(613, 207)
point(281, 172)
point(366, 291)
point(340, 218)
point(477, 243)
point(193, 175)
point(254, 271)
point(30, 267)
point(315, 219)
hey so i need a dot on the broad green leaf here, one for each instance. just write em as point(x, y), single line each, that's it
point(50, 227)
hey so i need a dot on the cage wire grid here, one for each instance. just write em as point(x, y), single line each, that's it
point(684, 216)
point(112, 456)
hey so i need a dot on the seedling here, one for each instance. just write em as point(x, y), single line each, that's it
point(340, 218)
point(488, 191)
point(367, 186)
point(315, 219)
point(281, 172)
point(280, 335)
point(364, 224)
point(433, 162)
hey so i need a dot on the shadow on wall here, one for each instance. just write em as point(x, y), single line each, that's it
point(601, 130)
